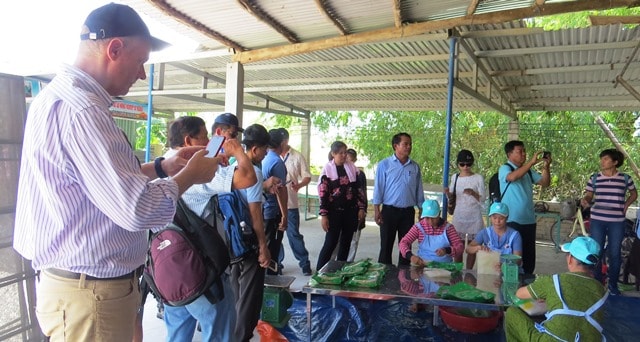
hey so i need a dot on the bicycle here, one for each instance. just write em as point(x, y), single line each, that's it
point(579, 221)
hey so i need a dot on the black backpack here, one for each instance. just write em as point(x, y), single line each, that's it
point(494, 185)
point(232, 210)
point(186, 259)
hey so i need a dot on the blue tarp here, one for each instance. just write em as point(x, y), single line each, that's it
point(377, 320)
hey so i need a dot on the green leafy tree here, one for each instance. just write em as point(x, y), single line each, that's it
point(574, 139)
point(577, 19)
point(158, 133)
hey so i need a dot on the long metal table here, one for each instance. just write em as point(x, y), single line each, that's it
point(409, 284)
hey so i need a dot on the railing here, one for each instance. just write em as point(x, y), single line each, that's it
point(311, 202)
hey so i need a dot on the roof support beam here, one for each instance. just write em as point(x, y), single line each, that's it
point(325, 8)
point(472, 7)
point(508, 111)
point(628, 87)
point(196, 25)
point(504, 105)
point(626, 65)
point(541, 87)
point(576, 99)
point(579, 108)
point(614, 19)
point(397, 13)
point(203, 91)
point(270, 99)
point(564, 69)
point(559, 49)
point(197, 99)
point(408, 30)
point(255, 10)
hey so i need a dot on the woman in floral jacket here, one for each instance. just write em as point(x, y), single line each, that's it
point(342, 203)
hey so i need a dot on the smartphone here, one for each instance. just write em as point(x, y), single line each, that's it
point(214, 146)
point(546, 154)
point(273, 265)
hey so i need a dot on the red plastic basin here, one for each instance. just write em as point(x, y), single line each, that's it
point(472, 325)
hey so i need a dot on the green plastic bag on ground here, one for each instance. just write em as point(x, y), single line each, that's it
point(465, 292)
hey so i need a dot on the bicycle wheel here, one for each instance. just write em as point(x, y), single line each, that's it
point(552, 234)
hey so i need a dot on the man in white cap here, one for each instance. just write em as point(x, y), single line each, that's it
point(574, 300)
point(85, 204)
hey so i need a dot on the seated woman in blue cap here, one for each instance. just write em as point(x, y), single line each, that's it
point(437, 238)
point(575, 300)
point(497, 237)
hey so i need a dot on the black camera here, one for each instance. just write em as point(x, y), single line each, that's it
point(546, 154)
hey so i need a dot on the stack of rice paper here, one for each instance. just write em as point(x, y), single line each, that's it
point(362, 273)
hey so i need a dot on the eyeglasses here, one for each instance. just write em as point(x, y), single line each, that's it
point(465, 164)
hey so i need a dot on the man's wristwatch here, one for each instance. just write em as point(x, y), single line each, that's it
point(157, 163)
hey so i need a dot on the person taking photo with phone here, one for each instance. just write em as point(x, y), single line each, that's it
point(518, 174)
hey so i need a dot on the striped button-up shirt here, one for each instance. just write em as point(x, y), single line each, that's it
point(83, 203)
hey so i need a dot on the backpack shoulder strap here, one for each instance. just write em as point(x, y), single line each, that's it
point(455, 183)
point(508, 183)
point(594, 179)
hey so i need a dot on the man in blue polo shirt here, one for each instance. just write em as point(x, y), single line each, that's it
point(398, 188)
point(274, 173)
point(516, 186)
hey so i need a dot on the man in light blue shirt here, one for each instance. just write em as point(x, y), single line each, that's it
point(516, 186)
point(398, 188)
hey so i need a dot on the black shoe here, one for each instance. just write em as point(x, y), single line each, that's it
point(307, 271)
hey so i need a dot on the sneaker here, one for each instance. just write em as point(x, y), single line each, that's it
point(307, 271)
point(614, 291)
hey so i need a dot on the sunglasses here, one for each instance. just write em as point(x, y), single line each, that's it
point(465, 164)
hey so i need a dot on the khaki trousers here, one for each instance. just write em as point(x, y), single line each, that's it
point(86, 310)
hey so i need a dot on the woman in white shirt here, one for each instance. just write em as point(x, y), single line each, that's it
point(469, 191)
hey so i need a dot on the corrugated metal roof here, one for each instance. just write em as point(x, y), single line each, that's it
point(378, 66)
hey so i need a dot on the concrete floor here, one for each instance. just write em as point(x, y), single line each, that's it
point(548, 261)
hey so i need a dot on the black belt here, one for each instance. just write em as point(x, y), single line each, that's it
point(397, 208)
point(72, 275)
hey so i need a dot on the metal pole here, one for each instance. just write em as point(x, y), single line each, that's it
point(447, 143)
point(147, 145)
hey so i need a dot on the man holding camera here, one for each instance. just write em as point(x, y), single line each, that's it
point(518, 175)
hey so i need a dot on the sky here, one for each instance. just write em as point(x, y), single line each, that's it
point(36, 36)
